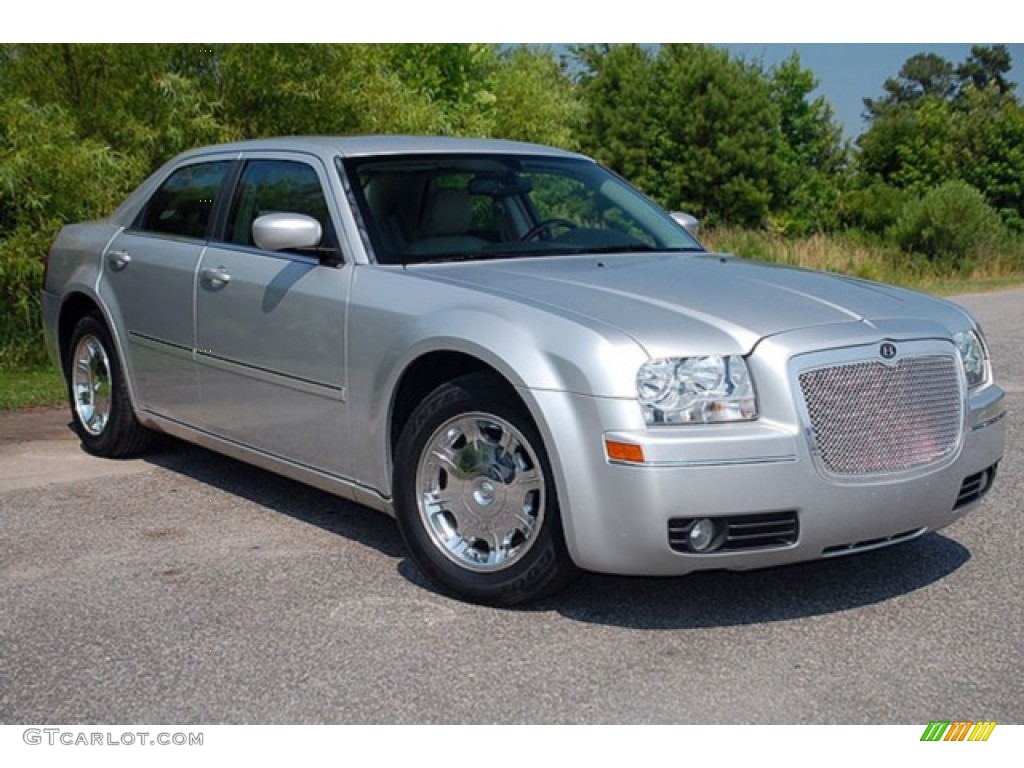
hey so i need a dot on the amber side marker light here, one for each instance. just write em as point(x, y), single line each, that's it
point(627, 452)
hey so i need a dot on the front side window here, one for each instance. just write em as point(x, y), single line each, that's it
point(183, 204)
point(278, 186)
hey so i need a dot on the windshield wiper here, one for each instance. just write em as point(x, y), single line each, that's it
point(639, 248)
point(452, 257)
point(624, 248)
point(621, 248)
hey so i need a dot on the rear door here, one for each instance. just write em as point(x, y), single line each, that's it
point(148, 276)
point(270, 326)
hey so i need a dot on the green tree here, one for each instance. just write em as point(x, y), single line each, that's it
point(695, 128)
point(990, 150)
point(922, 75)
point(456, 79)
point(535, 99)
point(719, 139)
point(967, 127)
point(269, 90)
point(912, 146)
point(986, 68)
point(126, 96)
point(813, 151)
point(619, 91)
point(48, 177)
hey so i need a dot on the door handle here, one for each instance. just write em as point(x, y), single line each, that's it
point(216, 277)
point(118, 260)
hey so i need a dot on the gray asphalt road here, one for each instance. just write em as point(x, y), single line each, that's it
point(188, 588)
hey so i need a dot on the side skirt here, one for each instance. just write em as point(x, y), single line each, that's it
point(339, 486)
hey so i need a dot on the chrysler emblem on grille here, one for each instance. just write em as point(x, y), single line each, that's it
point(887, 350)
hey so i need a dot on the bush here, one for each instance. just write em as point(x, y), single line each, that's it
point(872, 209)
point(22, 256)
point(953, 227)
point(48, 177)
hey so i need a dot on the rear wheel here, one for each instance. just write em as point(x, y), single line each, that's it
point(100, 407)
point(476, 503)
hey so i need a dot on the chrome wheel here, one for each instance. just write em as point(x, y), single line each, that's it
point(480, 492)
point(90, 384)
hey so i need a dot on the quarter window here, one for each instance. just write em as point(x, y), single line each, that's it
point(184, 202)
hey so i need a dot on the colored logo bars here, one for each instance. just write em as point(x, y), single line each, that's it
point(958, 730)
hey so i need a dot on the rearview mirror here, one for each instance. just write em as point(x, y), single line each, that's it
point(500, 185)
point(286, 232)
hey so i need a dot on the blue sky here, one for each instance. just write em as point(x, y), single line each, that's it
point(847, 72)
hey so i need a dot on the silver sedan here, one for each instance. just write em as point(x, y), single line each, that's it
point(530, 365)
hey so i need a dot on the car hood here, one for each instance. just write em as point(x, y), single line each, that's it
point(717, 302)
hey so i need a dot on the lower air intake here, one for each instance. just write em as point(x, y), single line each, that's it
point(864, 546)
point(975, 486)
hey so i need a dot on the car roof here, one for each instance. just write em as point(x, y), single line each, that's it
point(330, 147)
point(356, 146)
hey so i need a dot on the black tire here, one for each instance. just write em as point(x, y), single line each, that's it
point(492, 482)
point(101, 410)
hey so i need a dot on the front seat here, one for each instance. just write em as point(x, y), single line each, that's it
point(445, 224)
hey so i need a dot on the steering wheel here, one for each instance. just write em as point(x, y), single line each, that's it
point(545, 225)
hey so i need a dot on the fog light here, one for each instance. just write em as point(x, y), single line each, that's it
point(702, 535)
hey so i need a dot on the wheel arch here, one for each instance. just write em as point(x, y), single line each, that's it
point(77, 304)
point(425, 372)
point(429, 371)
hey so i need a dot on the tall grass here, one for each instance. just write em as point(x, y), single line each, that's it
point(854, 255)
point(31, 387)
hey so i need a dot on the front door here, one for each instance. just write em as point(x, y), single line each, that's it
point(271, 325)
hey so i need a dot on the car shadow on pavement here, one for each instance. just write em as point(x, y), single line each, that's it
point(280, 494)
point(724, 598)
point(708, 599)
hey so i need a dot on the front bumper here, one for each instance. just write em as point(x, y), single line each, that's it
point(617, 516)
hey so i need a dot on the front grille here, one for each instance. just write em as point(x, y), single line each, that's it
point(975, 486)
point(758, 531)
point(871, 418)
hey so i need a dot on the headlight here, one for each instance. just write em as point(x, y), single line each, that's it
point(696, 390)
point(974, 357)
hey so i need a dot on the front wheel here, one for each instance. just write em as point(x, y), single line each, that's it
point(475, 499)
point(100, 407)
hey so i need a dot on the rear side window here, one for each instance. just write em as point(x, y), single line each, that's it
point(183, 204)
point(278, 186)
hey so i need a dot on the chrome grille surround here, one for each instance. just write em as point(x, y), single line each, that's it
point(872, 417)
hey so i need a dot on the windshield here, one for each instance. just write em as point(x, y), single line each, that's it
point(424, 208)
